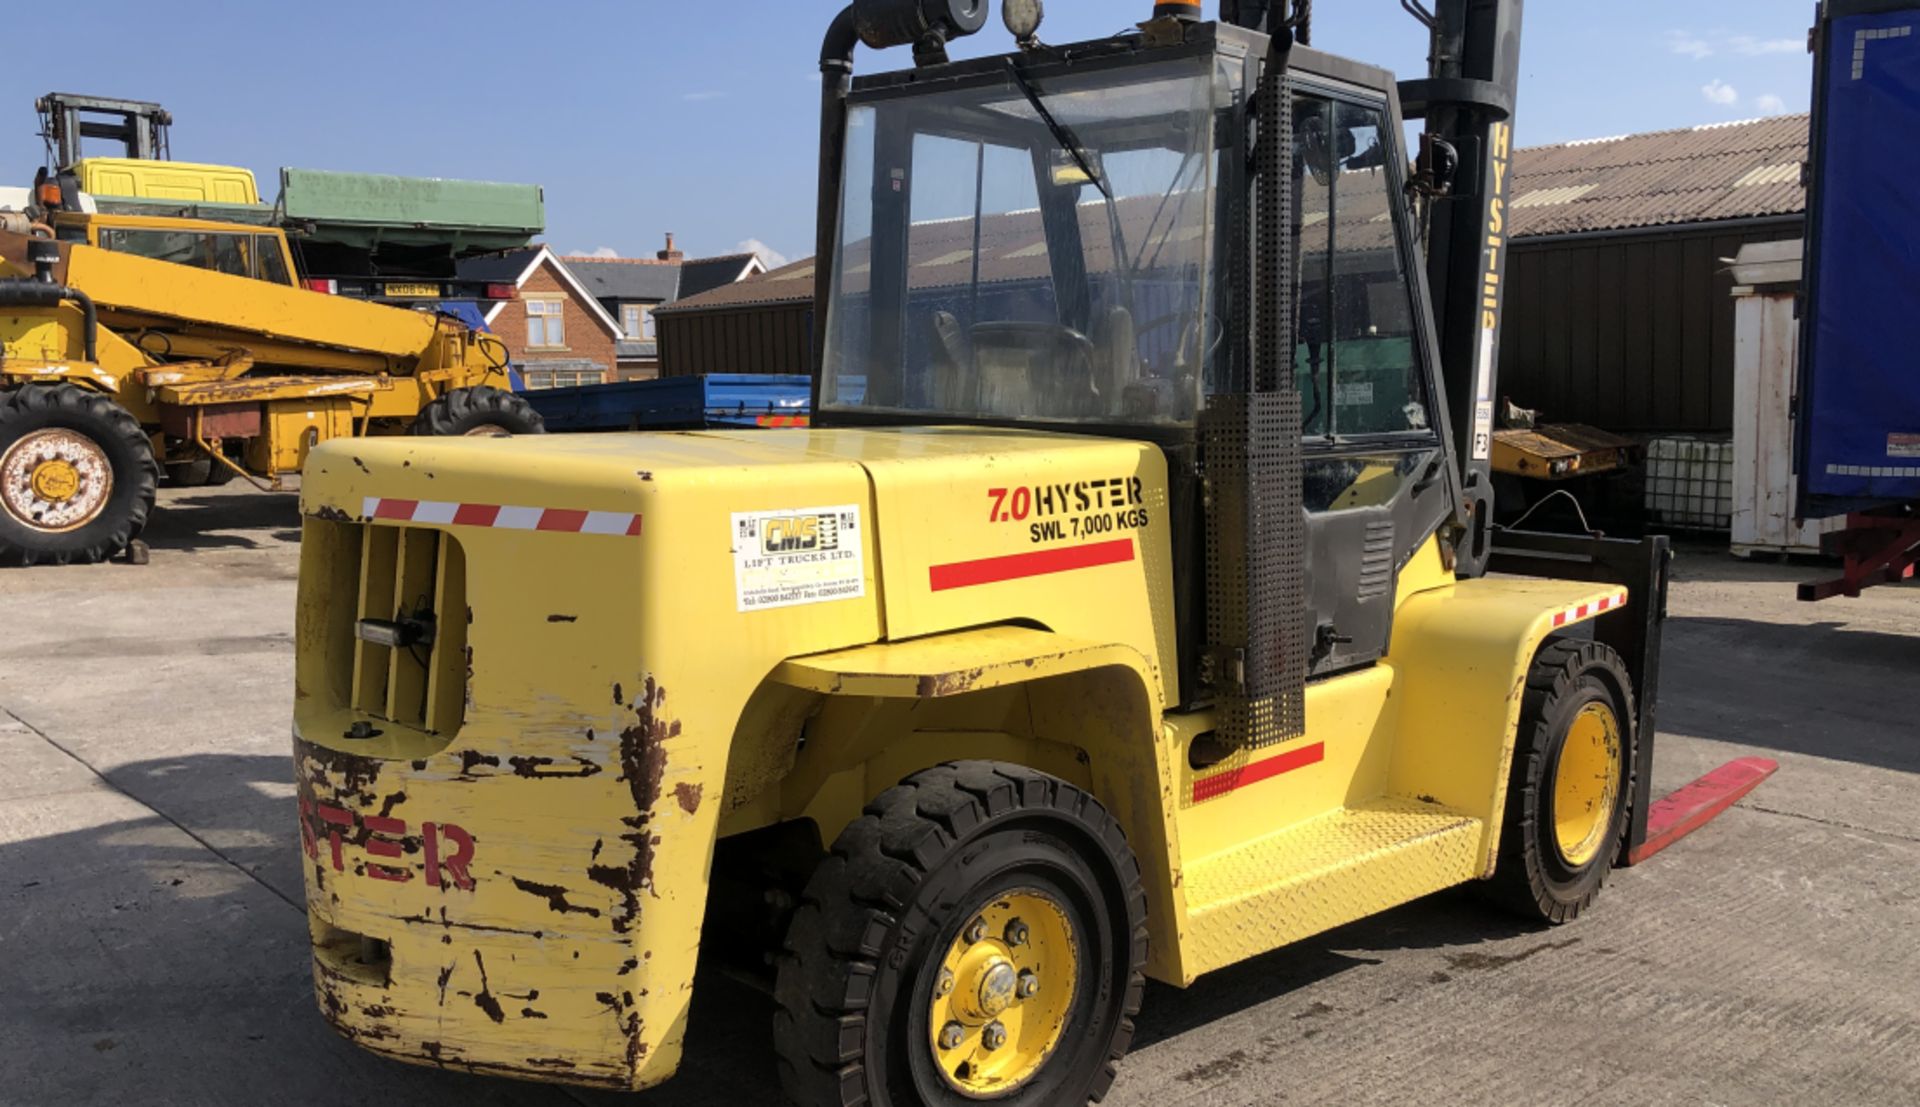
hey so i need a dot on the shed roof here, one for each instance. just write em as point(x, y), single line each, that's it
point(1694, 175)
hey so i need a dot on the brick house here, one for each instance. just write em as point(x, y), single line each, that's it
point(556, 332)
point(629, 289)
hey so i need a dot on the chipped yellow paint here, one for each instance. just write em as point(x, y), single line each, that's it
point(623, 712)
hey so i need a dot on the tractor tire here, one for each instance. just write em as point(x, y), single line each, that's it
point(479, 411)
point(77, 476)
point(1571, 783)
point(972, 893)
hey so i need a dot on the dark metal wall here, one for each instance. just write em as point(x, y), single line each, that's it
point(753, 338)
point(1629, 332)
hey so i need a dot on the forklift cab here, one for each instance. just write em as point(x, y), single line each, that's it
point(1063, 239)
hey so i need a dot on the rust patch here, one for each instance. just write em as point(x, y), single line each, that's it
point(549, 1062)
point(331, 514)
point(530, 1013)
point(688, 795)
point(484, 1000)
point(948, 684)
point(473, 759)
point(446, 974)
point(643, 765)
point(563, 618)
point(536, 768)
point(363, 466)
point(556, 898)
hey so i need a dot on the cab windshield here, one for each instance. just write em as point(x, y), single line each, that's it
point(1028, 246)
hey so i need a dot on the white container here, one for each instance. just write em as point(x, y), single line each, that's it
point(1766, 353)
point(1690, 482)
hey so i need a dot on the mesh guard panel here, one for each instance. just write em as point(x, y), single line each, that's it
point(1256, 555)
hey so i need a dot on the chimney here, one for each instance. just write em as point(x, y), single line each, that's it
point(670, 254)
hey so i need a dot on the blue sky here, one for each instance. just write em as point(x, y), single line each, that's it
point(648, 116)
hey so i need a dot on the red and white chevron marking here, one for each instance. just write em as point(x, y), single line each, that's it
point(1588, 610)
point(563, 520)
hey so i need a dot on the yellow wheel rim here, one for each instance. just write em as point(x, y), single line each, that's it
point(56, 481)
point(1587, 783)
point(1002, 994)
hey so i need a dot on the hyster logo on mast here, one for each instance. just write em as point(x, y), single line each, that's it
point(1502, 142)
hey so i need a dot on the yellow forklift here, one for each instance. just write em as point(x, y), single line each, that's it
point(1125, 613)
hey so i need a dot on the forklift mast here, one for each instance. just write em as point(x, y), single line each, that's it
point(66, 119)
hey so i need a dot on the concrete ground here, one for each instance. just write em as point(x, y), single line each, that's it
point(153, 951)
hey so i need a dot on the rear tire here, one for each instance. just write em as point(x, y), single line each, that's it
point(77, 475)
point(889, 938)
point(1566, 816)
point(478, 411)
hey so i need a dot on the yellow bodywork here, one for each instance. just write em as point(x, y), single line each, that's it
point(175, 343)
point(620, 675)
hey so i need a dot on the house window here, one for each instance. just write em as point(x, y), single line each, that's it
point(546, 325)
point(636, 320)
point(538, 379)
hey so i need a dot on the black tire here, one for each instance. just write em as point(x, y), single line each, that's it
point(863, 953)
point(479, 410)
point(201, 472)
point(1533, 877)
point(189, 474)
point(31, 412)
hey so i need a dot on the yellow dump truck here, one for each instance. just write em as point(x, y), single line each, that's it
point(114, 364)
point(1125, 614)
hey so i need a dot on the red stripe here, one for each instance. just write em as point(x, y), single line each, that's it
point(991, 570)
point(1212, 787)
point(1560, 619)
point(396, 509)
point(633, 528)
point(476, 515)
point(562, 518)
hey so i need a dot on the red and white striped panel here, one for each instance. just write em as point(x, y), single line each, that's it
point(565, 520)
point(1588, 610)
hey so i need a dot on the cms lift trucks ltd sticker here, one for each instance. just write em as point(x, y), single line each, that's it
point(804, 555)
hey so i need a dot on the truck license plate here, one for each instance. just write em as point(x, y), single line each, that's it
point(428, 290)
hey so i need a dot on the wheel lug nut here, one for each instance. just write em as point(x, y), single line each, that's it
point(952, 1034)
point(994, 1036)
point(943, 986)
point(1016, 933)
point(976, 931)
point(1028, 987)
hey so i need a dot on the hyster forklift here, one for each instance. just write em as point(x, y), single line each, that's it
point(1125, 614)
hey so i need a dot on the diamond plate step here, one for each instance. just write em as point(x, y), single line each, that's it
point(1342, 866)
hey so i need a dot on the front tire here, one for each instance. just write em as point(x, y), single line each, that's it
point(77, 475)
point(979, 933)
point(1568, 794)
point(478, 411)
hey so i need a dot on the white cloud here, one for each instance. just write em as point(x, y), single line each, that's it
point(769, 257)
point(601, 252)
point(1720, 92)
point(698, 97)
point(1747, 44)
point(1688, 44)
point(1769, 104)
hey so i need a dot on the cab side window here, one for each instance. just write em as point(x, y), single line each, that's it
point(1355, 361)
